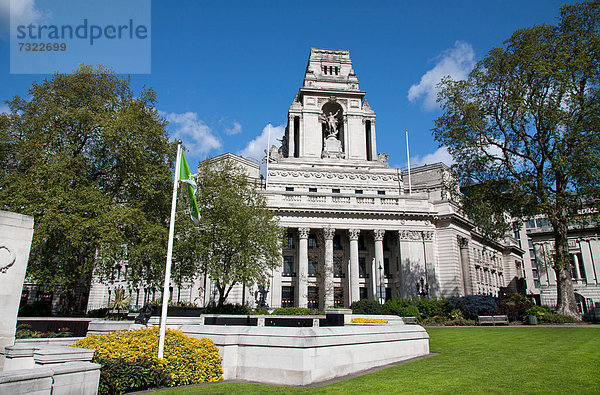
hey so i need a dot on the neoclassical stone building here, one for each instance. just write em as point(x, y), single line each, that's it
point(355, 228)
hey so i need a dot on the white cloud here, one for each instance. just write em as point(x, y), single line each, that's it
point(440, 155)
point(22, 12)
point(255, 149)
point(235, 129)
point(455, 62)
point(196, 136)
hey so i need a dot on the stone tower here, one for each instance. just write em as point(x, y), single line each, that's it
point(329, 117)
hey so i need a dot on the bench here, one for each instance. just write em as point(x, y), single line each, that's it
point(492, 320)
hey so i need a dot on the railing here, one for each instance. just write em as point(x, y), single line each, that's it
point(334, 199)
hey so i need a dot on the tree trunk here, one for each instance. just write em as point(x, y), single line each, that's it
point(565, 303)
point(67, 301)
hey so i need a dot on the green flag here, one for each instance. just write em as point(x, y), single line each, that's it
point(185, 175)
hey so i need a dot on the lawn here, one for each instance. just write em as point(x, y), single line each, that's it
point(474, 359)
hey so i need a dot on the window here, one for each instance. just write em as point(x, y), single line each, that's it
point(312, 189)
point(388, 294)
point(386, 268)
point(338, 271)
point(358, 191)
point(24, 296)
point(289, 189)
point(287, 296)
point(337, 244)
point(313, 297)
point(381, 192)
point(289, 241)
point(542, 222)
point(361, 243)
point(312, 242)
point(288, 266)
point(530, 224)
point(362, 267)
point(338, 297)
point(335, 190)
point(312, 267)
point(362, 292)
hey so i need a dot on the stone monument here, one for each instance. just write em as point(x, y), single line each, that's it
point(16, 233)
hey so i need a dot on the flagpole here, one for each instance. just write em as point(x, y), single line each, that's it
point(165, 300)
point(268, 156)
point(408, 161)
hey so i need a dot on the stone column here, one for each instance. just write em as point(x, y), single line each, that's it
point(291, 136)
point(430, 264)
point(576, 266)
point(346, 152)
point(328, 279)
point(302, 292)
point(354, 272)
point(380, 287)
point(463, 244)
point(373, 141)
point(274, 299)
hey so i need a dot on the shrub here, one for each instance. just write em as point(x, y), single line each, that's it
point(98, 313)
point(431, 307)
point(228, 309)
point(514, 306)
point(129, 360)
point(260, 311)
point(119, 376)
point(539, 311)
point(400, 310)
point(474, 305)
point(296, 311)
point(545, 316)
point(554, 318)
point(367, 321)
point(36, 309)
point(400, 307)
point(460, 322)
point(366, 306)
point(24, 331)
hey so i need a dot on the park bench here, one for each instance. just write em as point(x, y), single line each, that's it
point(492, 320)
point(410, 320)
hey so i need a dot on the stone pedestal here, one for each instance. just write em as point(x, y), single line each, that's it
point(332, 148)
point(16, 232)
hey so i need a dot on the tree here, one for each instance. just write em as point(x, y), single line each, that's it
point(240, 240)
point(524, 130)
point(92, 163)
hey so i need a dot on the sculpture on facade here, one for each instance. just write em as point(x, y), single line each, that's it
point(331, 123)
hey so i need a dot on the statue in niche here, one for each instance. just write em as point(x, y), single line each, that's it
point(331, 123)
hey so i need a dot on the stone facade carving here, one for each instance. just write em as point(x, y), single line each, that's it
point(9, 258)
point(303, 233)
point(379, 234)
point(381, 157)
point(463, 242)
point(341, 176)
point(354, 233)
point(414, 235)
point(328, 232)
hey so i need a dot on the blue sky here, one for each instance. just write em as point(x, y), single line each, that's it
point(223, 69)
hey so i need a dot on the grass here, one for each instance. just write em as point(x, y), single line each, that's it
point(473, 360)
